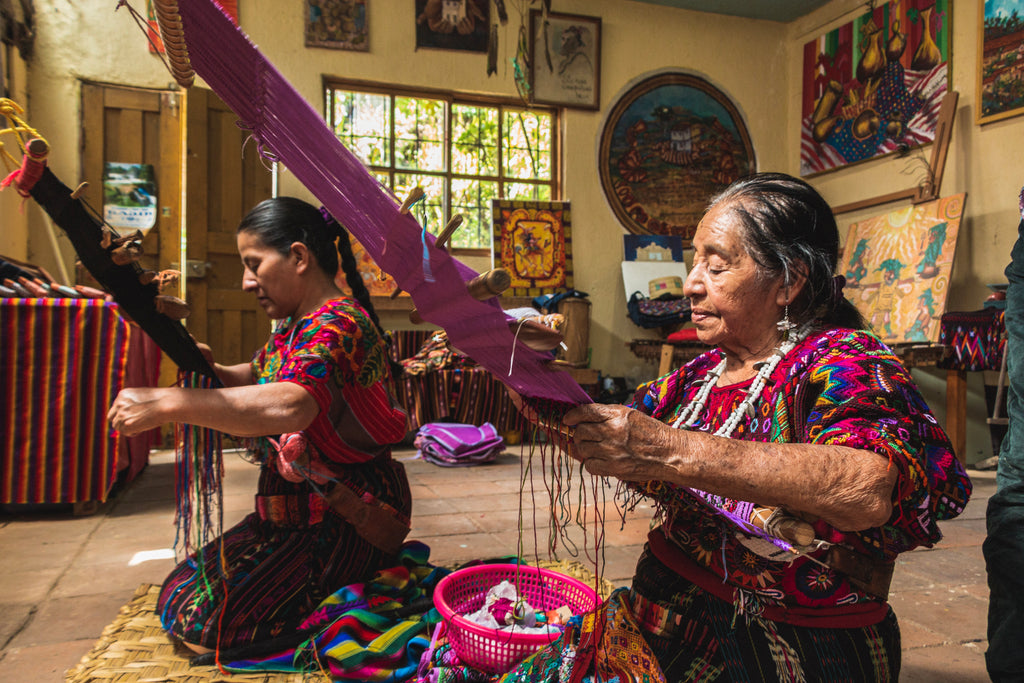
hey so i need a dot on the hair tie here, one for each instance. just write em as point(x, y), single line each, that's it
point(838, 282)
point(333, 225)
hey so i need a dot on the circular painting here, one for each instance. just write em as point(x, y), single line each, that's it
point(669, 144)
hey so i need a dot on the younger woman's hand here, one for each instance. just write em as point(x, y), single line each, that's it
point(137, 409)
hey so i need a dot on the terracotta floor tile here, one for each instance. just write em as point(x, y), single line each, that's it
point(71, 574)
point(65, 619)
point(44, 663)
point(442, 525)
point(948, 663)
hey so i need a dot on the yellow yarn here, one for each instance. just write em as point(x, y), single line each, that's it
point(16, 125)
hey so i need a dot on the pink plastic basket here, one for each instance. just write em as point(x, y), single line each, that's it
point(491, 650)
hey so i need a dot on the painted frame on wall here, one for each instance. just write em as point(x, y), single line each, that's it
point(670, 143)
point(338, 24)
point(897, 268)
point(874, 85)
point(1000, 61)
point(453, 24)
point(565, 60)
point(533, 241)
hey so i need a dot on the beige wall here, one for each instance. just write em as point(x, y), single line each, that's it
point(756, 63)
point(637, 39)
point(984, 162)
point(13, 209)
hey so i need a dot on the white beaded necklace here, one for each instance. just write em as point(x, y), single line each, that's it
point(691, 412)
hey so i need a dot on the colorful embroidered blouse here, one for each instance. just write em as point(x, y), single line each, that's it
point(338, 356)
point(839, 387)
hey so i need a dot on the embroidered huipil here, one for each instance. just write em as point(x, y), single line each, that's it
point(838, 387)
point(336, 354)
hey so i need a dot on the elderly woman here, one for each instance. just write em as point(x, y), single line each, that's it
point(796, 410)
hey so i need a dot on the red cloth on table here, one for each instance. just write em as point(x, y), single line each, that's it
point(61, 365)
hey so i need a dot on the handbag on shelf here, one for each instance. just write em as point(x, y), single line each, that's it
point(649, 313)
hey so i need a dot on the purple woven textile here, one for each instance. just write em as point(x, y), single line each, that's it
point(458, 445)
point(288, 129)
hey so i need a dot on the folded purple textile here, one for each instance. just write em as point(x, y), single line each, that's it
point(458, 445)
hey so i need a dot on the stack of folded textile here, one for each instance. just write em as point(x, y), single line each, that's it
point(458, 445)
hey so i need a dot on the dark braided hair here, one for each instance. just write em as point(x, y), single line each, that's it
point(790, 229)
point(282, 221)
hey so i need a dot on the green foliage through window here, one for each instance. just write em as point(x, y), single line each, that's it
point(462, 152)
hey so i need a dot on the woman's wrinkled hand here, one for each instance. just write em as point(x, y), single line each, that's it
point(616, 441)
point(136, 409)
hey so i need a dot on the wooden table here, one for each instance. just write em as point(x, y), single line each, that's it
point(671, 355)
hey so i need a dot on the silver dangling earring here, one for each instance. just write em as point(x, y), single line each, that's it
point(786, 326)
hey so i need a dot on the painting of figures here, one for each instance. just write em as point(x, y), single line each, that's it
point(897, 268)
point(339, 24)
point(533, 241)
point(1001, 81)
point(874, 85)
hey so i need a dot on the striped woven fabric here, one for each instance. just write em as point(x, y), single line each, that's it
point(976, 338)
point(62, 362)
point(465, 395)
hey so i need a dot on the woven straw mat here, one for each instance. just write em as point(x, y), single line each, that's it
point(135, 649)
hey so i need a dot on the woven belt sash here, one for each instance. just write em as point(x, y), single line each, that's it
point(374, 521)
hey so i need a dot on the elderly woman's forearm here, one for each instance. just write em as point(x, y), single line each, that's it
point(851, 489)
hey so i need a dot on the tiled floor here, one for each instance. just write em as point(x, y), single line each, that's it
point(63, 578)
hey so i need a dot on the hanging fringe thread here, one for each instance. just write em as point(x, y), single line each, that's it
point(199, 473)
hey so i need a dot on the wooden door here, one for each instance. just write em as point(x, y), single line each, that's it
point(135, 126)
point(223, 182)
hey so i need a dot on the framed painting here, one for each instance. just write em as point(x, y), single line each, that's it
point(897, 268)
point(533, 241)
point(453, 24)
point(1000, 60)
point(668, 144)
point(874, 86)
point(652, 248)
point(339, 24)
point(565, 60)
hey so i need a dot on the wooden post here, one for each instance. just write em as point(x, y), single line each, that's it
point(665, 363)
point(956, 412)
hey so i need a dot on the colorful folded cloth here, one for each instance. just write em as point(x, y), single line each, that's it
point(458, 445)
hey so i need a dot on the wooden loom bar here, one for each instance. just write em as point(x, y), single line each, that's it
point(173, 37)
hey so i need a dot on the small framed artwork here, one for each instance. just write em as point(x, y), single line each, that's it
point(453, 24)
point(565, 60)
point(339, 24)
point(652, 247)
point(1000, 60)
point(533, 241)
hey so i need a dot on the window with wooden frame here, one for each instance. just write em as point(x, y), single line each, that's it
point(462, 150)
